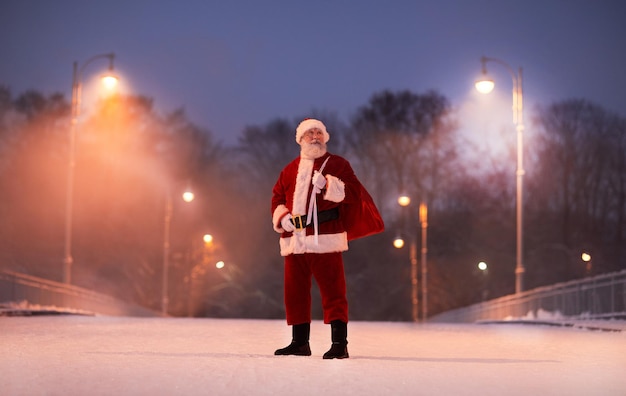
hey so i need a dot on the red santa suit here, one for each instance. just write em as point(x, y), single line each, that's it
point(316, 250)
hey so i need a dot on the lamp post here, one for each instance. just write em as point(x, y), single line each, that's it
point(200, 269)
point(187, 196)
point(404, 201)
point(109, 80)
point(586, 258)
point(486, 85)
point(424, 223)
point(484, 268)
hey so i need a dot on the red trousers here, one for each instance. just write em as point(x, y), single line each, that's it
point(327, 268)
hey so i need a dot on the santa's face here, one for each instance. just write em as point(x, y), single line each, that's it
point(312, 143)
point(312, 135)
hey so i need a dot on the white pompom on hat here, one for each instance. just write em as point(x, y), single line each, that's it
point(310, 123)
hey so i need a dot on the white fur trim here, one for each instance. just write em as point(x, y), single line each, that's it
point(279, 212)
point(300, 243)
point(335, 189)
point(308, 124)
point(303, 180)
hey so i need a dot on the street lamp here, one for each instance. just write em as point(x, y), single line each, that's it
point(200, 269)
point(404, 201)
point(586, 258)
point(187, 196)
point(398, 243)
point(486, 85)
point(484, 268)
point(109, 81)
point(424, 223)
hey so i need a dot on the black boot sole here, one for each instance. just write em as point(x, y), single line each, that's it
point(294, 350)
point(337, 351)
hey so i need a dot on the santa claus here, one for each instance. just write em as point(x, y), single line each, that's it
point(318, 205)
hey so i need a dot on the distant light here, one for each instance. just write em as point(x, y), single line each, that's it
point(423, 213)
point(586, 257)
point(482, 266)
point(219, 265)
point(109, 81)
point(485, 85)
point(188, 196)
point(398, 243)
point(404, 200)
point(207, 238)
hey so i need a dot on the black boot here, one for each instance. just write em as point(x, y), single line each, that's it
point(339, 336)
point(299, 343)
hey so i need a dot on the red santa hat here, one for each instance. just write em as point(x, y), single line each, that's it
point(311, 123)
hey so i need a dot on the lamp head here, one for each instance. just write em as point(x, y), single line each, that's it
point(485, 84)
point(404, 200)
point(188, 196)
point(109, 79)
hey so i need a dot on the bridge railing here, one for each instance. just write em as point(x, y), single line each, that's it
point(598, 297)
point(21, 291)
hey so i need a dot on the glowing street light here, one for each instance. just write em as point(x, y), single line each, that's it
point(482, 266)
point(398, 243)
point(188, 196)
point(110, 81)
point(404, 200)
point(486, 85)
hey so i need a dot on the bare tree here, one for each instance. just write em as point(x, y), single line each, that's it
point(577, 196)
point(402, 143)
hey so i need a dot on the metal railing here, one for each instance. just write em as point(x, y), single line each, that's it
point(21, 291)
point(598, 297)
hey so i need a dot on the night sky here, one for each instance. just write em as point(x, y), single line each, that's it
point(235, 63)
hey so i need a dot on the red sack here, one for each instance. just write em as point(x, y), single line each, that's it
point(362, 219)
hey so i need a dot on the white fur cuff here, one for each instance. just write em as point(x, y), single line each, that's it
point(279, 212)
point(335, 189)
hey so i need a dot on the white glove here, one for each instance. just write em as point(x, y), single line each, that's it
point(318, 180)
point(286, 223)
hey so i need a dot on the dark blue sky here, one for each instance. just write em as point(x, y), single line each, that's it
point(236, 63)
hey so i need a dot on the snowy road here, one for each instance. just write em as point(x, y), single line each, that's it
point(82, 355)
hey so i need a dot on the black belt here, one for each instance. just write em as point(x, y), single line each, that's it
point(322, 217)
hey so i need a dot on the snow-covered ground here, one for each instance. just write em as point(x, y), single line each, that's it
point(85, 355)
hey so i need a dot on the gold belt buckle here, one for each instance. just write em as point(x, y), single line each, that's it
point(297, 221)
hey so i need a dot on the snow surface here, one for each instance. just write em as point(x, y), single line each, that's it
point(97, 355)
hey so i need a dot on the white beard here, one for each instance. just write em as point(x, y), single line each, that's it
point(312, 150)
